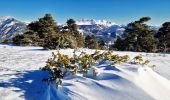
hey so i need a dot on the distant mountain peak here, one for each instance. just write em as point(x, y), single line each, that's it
point(10, 27)
point(5, 18)
point(94, 22)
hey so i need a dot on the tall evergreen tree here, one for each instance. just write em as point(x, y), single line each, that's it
point(163, 36)
point(42, 33)
point(90, 42)
point(101, 43)
point(119, 44)
point(139, 37)
point(43, 26)
point(47, 25)
point(72, 27)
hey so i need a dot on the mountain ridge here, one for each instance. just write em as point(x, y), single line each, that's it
point(95, 22)
point(10, 27)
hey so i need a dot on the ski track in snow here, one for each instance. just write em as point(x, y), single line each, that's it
point(21, 79)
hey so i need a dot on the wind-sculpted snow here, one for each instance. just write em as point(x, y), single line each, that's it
point(21, 79)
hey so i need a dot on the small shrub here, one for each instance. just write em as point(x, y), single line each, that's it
point(138, 59)
point(61, 65)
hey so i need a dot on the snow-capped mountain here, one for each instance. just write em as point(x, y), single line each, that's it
point(94, 22)
point(10, 27)
point(100, 28)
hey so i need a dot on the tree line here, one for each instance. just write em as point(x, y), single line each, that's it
point(46, 33)
point(142, 38)
point(138, 36)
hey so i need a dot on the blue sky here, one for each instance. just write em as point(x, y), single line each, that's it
point(119, 11)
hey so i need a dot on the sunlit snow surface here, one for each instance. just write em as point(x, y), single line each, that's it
point(21, 79)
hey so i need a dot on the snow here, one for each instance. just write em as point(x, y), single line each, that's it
point(5, 18)
point(21, 79)
point(94, 22)
point(10, 27)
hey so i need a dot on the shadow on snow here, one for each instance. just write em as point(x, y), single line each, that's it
point(29, 83)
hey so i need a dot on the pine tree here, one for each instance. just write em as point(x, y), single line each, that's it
point(72, 27)
point(138, 37)
point(47, 25)
point(102, 43)
point(91, 43)
point(119, 44)
point(42, 33)
point(163, 35)
point(17, 39)
point(66, 40)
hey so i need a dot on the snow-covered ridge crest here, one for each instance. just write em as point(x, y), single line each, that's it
point(5, 18)
point(10, 27)
point(94, 22)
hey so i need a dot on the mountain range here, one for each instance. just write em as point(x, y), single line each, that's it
point(10, 27)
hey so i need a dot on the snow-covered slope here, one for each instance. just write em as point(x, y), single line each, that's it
point(94, 22)
point(20, 78)
point(10, 27)
point(101, 29)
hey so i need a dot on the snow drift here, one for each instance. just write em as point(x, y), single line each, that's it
point(21, 79)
